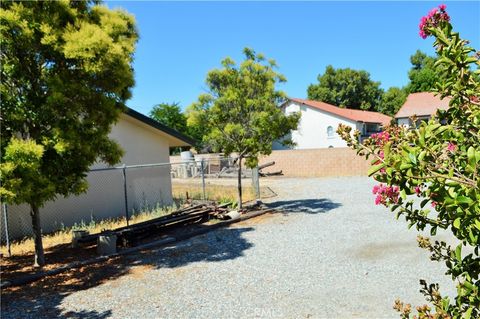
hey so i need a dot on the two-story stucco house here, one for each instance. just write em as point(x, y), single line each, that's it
point(422, 105)
point(319, 122)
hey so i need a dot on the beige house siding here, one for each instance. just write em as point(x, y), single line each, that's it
point(146, 187)
point(142, 146)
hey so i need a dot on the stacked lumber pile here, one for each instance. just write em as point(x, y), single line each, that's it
point(193, 214)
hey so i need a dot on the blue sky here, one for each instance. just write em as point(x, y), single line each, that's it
point(181, 41)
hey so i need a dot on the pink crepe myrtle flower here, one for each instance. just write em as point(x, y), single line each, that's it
point(433, 19)
point(432, 13)
point(418, 190)
point(451, 147)
point(386, 194)
point(380, 138)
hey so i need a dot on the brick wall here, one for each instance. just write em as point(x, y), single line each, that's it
point(317, 162)
point(310, 162)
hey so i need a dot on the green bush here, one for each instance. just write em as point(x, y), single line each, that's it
point(438, 162)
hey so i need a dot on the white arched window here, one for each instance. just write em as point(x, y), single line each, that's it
point(330, 132)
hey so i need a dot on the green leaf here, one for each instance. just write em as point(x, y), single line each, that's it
point(421, 136)
point(440, 130)
point(412, 158)
point(468, 313)
point(473, 236)
point(421, 156)
point(451, 183)
point(405, 166)
point(386, 149)
point(458, 253)
point(471, 156)
point(375, 169)
point(463, 200)
point(451, 192)
point(445, 303)
point(457, 222)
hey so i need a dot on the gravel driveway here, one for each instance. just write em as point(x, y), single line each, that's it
point(333, 255)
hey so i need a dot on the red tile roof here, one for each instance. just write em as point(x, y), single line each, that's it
point(354, 115)
point(421, 104)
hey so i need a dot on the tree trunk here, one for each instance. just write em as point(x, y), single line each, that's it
point(240, 182)
point(37, 236)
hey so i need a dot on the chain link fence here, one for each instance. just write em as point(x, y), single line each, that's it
point(128, 190)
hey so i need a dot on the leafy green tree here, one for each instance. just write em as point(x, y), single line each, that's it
point(66, 72)
point(439, 165)
point(241, 110)
point(346, 88)
point(198, 131)
point(423, 74)
point(170, 115)
point(392, 101)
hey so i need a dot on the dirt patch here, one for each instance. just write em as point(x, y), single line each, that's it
point(138, 272)
point(19, 266)
point(375, 251)
point(262, 219)
point(67, 282)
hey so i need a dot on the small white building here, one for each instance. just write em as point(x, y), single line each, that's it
point(422, 105)
point(319, 122)
point(144, 141)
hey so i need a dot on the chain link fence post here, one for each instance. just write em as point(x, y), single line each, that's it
point(202, 168)
point(7, 235)
point(125, 192)
point(256, 182)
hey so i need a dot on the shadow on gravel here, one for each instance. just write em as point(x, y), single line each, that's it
point(219, 245)
point(308, 206)
point(43, 299)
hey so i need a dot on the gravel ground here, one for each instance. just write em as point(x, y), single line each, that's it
point(334, 255)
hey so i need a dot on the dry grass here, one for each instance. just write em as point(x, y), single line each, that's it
point(219, 193)
point(64, 236)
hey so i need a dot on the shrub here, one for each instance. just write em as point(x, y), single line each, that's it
point(438, 162)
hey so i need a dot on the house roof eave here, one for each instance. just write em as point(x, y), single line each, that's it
point(159, 126)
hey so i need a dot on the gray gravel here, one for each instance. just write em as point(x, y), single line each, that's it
point(335, 255)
